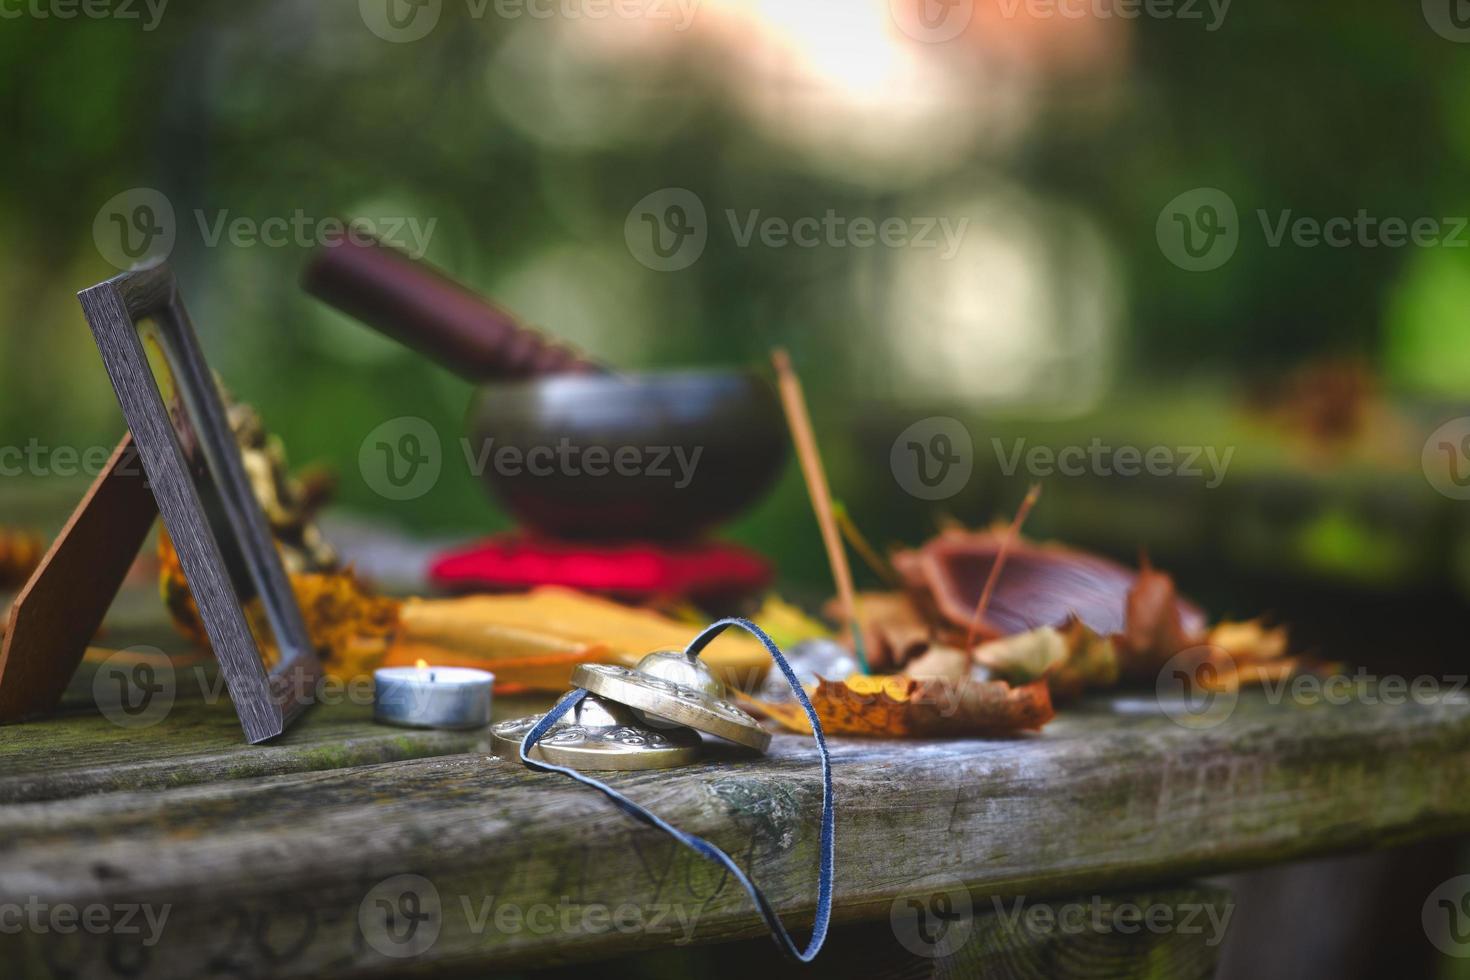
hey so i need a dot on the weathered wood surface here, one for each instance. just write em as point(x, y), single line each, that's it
point(87, 747)
point(1172, 933)
point(295, 874)
point(1159, 933)
point(199, 742)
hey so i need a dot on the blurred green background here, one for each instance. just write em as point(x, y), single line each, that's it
point(527, 140)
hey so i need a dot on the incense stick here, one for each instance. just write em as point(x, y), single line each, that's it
point(1000, 560)
point(793, 402)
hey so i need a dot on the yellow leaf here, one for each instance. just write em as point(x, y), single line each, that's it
point(787, 624)
point(1249, 640)
point(547, 619)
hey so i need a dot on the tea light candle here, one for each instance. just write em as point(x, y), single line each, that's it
point(432, 697)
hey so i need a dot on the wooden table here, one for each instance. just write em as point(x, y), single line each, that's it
point(284, 859)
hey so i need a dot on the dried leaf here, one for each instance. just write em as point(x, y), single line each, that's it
point(1092, 662)
point(787, 624)
point(1024, 657)
point(348, 625)
point(174, 589)
point(1076, 619)
point(981, 708)
point(1042, 585)
point(1155, 628)
point(904, 707)
point(894, 629)
point(1258, 652)
point(1003, 551)
point(510, 656)
point(1250, 640)
point(550, 620)
point(940, 663)
point(1211, 667)
point(460, 633)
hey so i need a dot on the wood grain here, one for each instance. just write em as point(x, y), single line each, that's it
point(81, 754)
point(1078, 937)
point(1166, 932)
point(283, 875)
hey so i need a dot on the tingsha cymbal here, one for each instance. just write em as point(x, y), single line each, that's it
point(678, 667)
point(599, 735)
point(667, 702)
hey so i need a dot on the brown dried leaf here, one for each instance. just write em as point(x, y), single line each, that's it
point(940, 663)
point(1155, 629)
point(1041, 585)
point(894, 629)
point(904, 707)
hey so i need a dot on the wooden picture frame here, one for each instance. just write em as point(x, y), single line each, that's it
point(179, 425)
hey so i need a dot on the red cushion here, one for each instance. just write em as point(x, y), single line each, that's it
point(512, 562)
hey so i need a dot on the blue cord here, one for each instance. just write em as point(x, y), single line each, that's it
point(700, 845)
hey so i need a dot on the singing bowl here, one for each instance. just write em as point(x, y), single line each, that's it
point(657, 456)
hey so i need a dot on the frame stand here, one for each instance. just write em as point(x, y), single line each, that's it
point(60, 609)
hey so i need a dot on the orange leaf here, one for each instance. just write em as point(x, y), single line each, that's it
point(905, 707)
